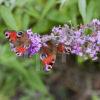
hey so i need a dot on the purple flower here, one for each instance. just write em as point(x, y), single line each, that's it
point(35, 44)
point(64, 34)
point(12, 47)
point(98, 37)
point(77, 34)
point(88, 50)
point(47, 67)
point(87, 45)
point(96, 21)
point(92, 39)
point(57, 30)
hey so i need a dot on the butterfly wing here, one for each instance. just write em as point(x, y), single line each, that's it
point(47, 60)
point(11, 36)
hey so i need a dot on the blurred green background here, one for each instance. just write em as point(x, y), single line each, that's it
point(19, 77)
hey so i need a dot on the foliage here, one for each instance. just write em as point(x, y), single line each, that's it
point(17, 74)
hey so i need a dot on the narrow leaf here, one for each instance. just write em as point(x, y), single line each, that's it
point(82, 9)
point(26, 21)
point(7, 16)
point(32, 12)
point(41, 26)
point(48, 6)
point(90, 10)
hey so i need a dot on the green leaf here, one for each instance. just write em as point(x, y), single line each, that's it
point(48, 6)
point(9, 84)
point(82, 9)
point(80, 60)
point(90, 10)
point(32, 12)
point(3, 97)
point(57, 16)
point(96, 12)
point(1, 32)
point(21, 2)
point(94, 97)
point(18, 17)
point(32, 78)
point(88, 31)
point(7, 16)
point(26, 21)
point(41, 26)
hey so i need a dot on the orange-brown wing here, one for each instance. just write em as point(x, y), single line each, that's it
point(61, 48)
point(11, 35)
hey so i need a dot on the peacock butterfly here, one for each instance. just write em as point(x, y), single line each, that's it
point(18, 40)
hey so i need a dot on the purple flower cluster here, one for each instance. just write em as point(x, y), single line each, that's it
point(84, 42)
point(35, 44)
point(87, 40)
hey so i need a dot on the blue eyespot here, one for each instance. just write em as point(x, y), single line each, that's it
point(43, 55)
point(19, 34)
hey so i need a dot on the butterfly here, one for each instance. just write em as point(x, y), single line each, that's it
point(48, 56)
point(18, 40)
